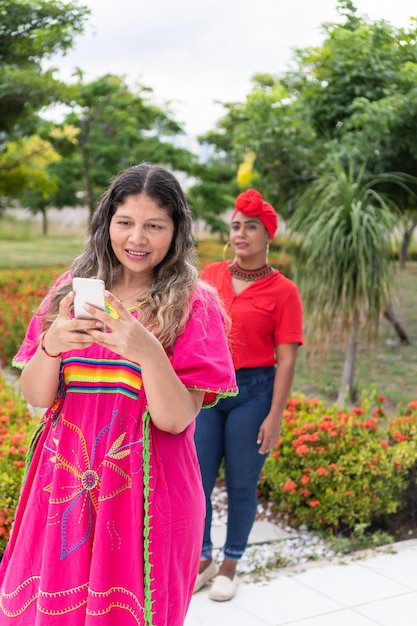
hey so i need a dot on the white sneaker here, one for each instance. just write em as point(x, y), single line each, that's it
point(203, 578)
point(223, 588)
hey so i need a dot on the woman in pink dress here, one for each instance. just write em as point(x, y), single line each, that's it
point(109, 525)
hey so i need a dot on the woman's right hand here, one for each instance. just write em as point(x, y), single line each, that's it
point(67, 333)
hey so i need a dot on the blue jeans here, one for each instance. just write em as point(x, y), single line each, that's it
point(229, 430)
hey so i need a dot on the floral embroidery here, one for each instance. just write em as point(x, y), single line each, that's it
point(80, 485)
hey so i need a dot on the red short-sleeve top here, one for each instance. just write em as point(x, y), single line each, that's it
point(266, 314)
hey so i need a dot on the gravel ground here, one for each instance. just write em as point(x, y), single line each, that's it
point(298, 548)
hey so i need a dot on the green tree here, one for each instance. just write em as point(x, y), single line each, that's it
point(212, 192)
point(360, 90)
point(110, 127)
point(354, 94)
point(31, 32)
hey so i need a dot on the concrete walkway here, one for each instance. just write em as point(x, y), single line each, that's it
point(371, 588)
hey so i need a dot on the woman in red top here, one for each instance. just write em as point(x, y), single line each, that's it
point(266, 315)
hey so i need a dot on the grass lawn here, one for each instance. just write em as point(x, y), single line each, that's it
point(39, 251)
point(389, 367)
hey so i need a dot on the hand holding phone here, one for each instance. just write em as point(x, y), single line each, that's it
point(87, 291)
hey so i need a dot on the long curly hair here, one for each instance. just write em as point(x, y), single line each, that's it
point(174, 278)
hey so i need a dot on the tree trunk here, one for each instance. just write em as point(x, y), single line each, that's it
point(348, 374)
point(405, 244)
point(391, 316)
point(44, 222)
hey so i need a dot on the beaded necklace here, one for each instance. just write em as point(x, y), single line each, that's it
point(249, 275)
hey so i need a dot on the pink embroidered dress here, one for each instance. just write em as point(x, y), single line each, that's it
point(109, 526)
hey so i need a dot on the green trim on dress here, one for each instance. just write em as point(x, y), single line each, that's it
point(147, 566)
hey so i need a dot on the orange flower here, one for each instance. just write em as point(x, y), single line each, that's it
point(314, 503)
point(290, 486)
point(371, 424)
point(321, 471)
point(305, 479)
point(302, 450)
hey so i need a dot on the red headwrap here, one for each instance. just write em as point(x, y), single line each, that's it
point(250, 203)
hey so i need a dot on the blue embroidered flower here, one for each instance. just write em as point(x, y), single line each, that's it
point(77, 477)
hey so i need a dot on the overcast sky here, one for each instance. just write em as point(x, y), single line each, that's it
point(194, 52)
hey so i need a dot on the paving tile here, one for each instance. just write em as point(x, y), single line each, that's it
point(400, 610)
point(283, 600)
point(351, 584)
point(378, 590)
point(400, 567)
point(206, 612)
point(346, 617)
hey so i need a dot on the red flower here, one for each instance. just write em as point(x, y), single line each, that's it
point(314, 503)
point(302, 450)
point(297, 431)
point(290, 486)
point(321, 471)
point(371, 424)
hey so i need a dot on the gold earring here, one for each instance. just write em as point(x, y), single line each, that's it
point(225, 250)
point(267, 252)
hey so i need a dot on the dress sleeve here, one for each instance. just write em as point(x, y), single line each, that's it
point(31, 340)
point(201, 356)
point(290, 327)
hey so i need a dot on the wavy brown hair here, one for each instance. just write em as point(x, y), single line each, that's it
point(174, 278)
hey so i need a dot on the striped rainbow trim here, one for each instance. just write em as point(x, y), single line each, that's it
point(83, 375)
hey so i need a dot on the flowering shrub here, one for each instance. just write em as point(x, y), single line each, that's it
point(22, 290)
point(334, 469)
point(16, 425)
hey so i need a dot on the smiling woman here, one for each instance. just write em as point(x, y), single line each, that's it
point(265, 309)
point(141, 233)
point(114, 477)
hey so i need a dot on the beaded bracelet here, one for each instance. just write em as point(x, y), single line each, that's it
point(52, 356)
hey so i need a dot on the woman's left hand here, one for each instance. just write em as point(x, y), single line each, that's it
point(125, 336)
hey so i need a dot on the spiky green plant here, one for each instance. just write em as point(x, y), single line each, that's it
point(345, 225)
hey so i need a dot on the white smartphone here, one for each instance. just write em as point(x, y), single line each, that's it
point(87, 291)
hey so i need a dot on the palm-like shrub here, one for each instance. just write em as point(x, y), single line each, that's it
point(343, 263)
